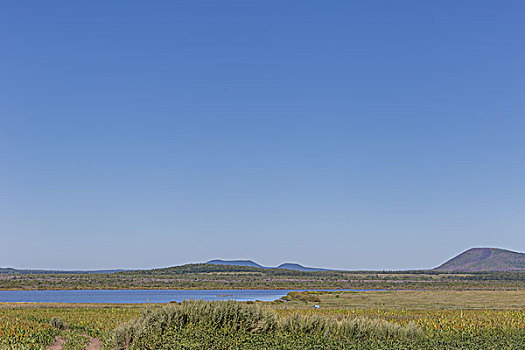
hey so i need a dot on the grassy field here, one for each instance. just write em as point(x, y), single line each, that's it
point(28, 325)
point(410, 299)
point(363, 320)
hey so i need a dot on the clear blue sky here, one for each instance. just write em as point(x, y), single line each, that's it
point(344, 134)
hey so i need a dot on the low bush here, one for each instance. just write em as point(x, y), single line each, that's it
point(303, 296)
point(57, 323)
point(224, 325)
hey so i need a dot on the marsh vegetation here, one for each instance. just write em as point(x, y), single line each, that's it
point(345, 320)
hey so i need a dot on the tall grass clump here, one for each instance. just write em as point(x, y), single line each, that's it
point(194, 324)
point(57, 323)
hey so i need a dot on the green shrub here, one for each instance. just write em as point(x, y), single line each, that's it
point(303, 296)
point(57, 323)
point(229, 323)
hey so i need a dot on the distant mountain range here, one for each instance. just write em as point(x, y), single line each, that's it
point(472, 260)
point(250, 263)
point(485, 259)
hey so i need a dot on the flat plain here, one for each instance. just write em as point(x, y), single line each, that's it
point(354, 320)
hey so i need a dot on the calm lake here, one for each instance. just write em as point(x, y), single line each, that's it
point(136, 296)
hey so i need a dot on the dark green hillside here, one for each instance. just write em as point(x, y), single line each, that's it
point(211, 276)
